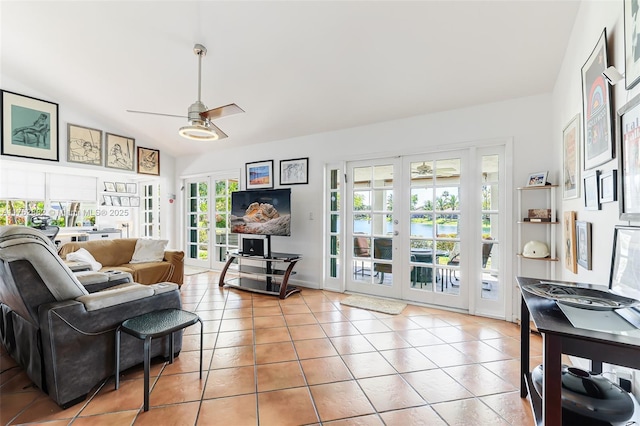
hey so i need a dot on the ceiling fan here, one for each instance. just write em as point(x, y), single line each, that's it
point(425, 169)
point(200, 119)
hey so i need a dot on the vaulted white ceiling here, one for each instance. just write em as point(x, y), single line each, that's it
point(295, 67)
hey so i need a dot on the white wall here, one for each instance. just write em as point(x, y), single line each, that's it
point(81, 118)
point(592, 17)
point(527, 121)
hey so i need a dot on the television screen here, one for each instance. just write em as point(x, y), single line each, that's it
point(261, 212)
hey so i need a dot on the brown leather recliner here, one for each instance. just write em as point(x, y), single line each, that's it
point(60, 334)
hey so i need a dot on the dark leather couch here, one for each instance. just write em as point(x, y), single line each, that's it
point(60, 334)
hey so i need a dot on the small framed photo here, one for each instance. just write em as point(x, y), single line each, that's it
point(537, 179)
point(132, 188)
point(110, 187)
point(115, 201)
point(84, 145)
point(294, 171)
point(121, 187)
point(148, 161)
point(591, 193)
point(609, 186)
point(134, 201)
point(29, 127)
point(120, 152)
point(124, 202)
point(259, 174)
point(106, 200)
point(583, 240)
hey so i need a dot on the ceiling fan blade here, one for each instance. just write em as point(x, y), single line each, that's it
point(156, 113)
point(221, 134)
point(222, 111)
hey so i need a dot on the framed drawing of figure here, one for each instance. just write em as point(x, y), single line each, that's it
point(120, 152)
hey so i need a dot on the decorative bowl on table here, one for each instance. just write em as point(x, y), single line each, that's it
point(581, 297)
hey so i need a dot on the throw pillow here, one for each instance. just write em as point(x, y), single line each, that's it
point(83, 255)
point(149, 251)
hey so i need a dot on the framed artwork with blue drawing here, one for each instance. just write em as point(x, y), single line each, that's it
point(29, 127)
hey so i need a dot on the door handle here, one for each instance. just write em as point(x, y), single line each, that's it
point(396, 233)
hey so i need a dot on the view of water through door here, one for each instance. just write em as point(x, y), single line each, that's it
point(373, 227)
point(425, 228)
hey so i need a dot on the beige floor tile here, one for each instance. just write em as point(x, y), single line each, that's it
point(275, 352)
point(108, 419)
point(314, 348)
point(325, 370)
point(286, 407)
point(340, 400)
point(230, 382)
point(436, 386)
point(236, 410)
point(468, 412)
point(279, 375)
point(177, 414)
point(390, 393)
point(407, 359)
point(423, 415)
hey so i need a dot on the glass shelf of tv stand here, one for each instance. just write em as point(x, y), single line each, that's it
point(264, 277)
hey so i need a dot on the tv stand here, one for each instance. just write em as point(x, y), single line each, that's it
point(262, 279)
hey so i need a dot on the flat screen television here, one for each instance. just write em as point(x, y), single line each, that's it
point(261, 212)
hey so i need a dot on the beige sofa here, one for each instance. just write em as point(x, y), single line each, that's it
point(116, 254)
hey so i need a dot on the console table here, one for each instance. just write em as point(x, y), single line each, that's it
point(560, 337)
point(266, 277)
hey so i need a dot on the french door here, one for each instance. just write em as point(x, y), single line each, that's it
point(373, 227)
point(426, 228)
point(208, 206)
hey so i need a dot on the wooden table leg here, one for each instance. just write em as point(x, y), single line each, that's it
point(552, 380)
point(524, 348)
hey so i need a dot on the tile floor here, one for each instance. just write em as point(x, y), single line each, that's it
point(306, 360)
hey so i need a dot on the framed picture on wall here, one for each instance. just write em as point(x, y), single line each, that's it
point(608, 186)
point(631, 42)
point(571, 159)
point(596, 108)
point(294, 172)
point(148, 161)
point(84, 145)
point(583, 238)
point(120, 152)
point(29, 127)
point(569, 246)
point(259, 174)
point(592, 191)
point(629, 160)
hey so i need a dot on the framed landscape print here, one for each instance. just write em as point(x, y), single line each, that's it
point(631, 42)
point(84, 145)
point(259, 174)
point(120, 152)
point(148, 161)
point(571, 159)
point(29, 127)
point(596, 108)
point(629, 160)
point(294, 172)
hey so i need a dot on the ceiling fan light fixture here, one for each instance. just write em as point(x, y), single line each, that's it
point(198, 132)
